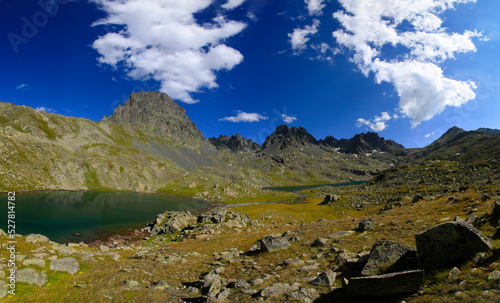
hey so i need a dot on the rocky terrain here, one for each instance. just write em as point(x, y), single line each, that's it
point(423, 228)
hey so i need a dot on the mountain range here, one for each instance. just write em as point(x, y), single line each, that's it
point(149, 144)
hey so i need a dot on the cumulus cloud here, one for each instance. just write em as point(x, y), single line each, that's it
point(244, 117)
point(429, 135)
point(288, 119)
point(45, 109)
point(378, 123)
point(163, 40)
point(23, 86)
point(299, 37)
point(232, 4)
point(414, 27)
point(315, 7)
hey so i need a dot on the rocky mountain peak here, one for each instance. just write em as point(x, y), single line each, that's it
point(235, 143)
point(285, 136)
point(157, 114)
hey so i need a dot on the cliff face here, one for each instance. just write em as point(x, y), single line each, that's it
point(235, 143)
point(285, 136)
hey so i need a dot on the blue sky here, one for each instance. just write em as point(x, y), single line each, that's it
point(409, 70)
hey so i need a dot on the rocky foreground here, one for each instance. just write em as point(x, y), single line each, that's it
point(431, 248)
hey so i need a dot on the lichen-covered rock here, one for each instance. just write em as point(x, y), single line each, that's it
point(448, 243)
point(35, 262)
point(36, 238)
point(366, 224)
point(387, 285)
point(212, 284)
point(216, 215)
point(69, 265)
point(385, 254)
point(171, 221)
point(325, 279)
point(306, 295)
point(279, 289)
point(271, 243)
point(31, 276)
point(3, 289)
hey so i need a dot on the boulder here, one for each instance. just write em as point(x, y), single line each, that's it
point(304, 295)
point(387, 285)
point(325, 279)
point(69, 265)
point(171, 222)
point(31, 276)
point(449, 243)
point(271, 243)
point(36, 238)
point(329, 199)
point(320, 242)
point(212, 284)
point(366, 224)
point(496, 209)
point(385, 254)
point(34, 261)
point(3, 289)
point(216, 215)
point(279, 289)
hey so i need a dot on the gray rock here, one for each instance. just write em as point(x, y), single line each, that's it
point(36, 238)
point(387, 285)
point(256, 281)
point(279, 289)
point(31, 276)
point(162, 284)
point(454, 272)
point(241, 284)
point(385, 254)
point(104, 248)
point(216, 215)
point(320, 242)
point(304, 295)
point(448, 243)
point(341, 234)
point(272, 243)
point(69, 265)
point(494, 275)
point(366, 224)
point(212, 284)
point(472, 220)
point(496, 209)
point(417, 198)
point(35, 262)
point(3, 289)
point(325, 279)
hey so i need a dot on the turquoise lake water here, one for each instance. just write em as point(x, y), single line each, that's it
point(302, 187)
point(60, 214)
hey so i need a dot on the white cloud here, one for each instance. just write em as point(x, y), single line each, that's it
point(45, 109)
point(162, 40)
point(288, 119)
point(377, 123)
point(429, 135)
point(315, 7)
point(245, 117)
point(23, 86)
point(414, 26)
point(232, 4)
point(299, 37)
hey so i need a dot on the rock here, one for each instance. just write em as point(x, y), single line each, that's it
point(387, 285)
point(448, 243)
point(366, 224)
point(3, 289)
point(341, 234)
point(132, 283)
point(271, 243)
point(66, 250)
point(36, 238)
point(458, 219)
point(256, 281)
point(320, 242)
point(472, 220)
point(31, 276)
point(69, 265)
point(385, 254)
point(216, 215)
point(494, 275)
point(162, 284)
point(171, 221)
point(104, 248)
point(34, 261)
point(417, 198)
point(304, 295)
point(454, 272)
point(325, 279)
point(279, 289)
point(329, 199)
point(212, 284)
point(241, 284)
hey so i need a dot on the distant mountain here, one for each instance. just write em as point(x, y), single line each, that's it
point(285, 136)
point(365, 144)
point(235, 143)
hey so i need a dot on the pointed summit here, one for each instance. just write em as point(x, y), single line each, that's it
point(156, 114)
point(285, 136)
